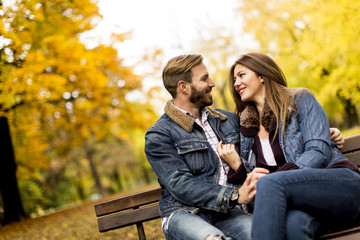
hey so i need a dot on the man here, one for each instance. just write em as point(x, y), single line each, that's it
point(197, 202)
point(181, 146)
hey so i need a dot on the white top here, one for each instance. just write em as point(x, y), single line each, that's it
point(267, 151)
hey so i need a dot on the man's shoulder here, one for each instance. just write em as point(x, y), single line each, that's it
point(162, 123)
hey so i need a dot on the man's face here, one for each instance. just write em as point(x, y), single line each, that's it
point(201, 86)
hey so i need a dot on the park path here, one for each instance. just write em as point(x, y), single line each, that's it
point(74, 223)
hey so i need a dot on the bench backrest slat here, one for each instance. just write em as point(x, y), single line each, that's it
point(127, 202)
point(128, 218)
point(351, 144)
point(354, 157)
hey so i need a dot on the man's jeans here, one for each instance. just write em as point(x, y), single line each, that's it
point(184, 225)
point(296, 204)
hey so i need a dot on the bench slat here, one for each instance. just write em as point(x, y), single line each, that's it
point(351, 144)
point(128, 218)
point(127, 202)
point(349, 234)
point(354, 158)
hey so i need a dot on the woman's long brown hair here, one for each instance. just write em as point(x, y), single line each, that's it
point(277, 94)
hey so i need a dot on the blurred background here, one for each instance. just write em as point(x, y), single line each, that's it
point(80, 82)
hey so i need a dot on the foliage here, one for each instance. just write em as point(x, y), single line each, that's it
point(219, 51)
point(317, 45)
point(63, 101)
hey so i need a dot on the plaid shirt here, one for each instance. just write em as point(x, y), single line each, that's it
point(213, 140)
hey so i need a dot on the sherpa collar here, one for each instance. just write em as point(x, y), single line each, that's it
point(184, 120)
point(249, 117)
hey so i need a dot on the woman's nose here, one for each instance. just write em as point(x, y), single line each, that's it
point(237, 82)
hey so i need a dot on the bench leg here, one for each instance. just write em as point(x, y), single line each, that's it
point(141, 231)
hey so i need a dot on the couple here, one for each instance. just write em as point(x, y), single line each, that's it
point(211, 164)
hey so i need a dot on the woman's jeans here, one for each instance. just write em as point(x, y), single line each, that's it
point(188, 226)
point(297, 204)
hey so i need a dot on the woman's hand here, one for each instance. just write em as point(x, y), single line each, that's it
point(248, 190)
point(228, 153)
point(337, 137)
point(252, 179)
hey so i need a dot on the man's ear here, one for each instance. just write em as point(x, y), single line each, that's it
point(183, 86)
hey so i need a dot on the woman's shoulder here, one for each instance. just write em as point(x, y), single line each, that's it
point(298, 92)
point(302, 94)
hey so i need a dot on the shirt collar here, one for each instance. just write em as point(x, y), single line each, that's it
point(204, 113)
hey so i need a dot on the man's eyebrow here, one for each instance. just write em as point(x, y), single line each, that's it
point(205, 76)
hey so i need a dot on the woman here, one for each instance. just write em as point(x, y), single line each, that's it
point(311, 185)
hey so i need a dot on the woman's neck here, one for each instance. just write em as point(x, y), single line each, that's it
point(262, 131)
point(260, 107)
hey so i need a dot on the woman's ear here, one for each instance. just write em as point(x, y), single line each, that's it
point(261, 79)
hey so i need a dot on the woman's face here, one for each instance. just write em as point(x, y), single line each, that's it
point(249, 85)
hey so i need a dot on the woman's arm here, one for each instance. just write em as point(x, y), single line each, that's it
point(314, 127)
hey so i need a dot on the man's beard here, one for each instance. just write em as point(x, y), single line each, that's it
point(199, 97)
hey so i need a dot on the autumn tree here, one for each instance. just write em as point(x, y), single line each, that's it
point(317, 45)
point(55, 93)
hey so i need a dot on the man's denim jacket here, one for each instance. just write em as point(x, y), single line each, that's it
point(184, 162)
point(306, 141)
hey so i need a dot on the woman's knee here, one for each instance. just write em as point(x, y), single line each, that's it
point(268, 182)
point(300, 225)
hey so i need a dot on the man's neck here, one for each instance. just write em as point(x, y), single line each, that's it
point(194, 110)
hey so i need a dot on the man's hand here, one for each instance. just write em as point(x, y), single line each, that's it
point(248, 190)
point(337, 137)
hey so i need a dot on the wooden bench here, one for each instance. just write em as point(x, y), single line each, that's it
point(143, 206)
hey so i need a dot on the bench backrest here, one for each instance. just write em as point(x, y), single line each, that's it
point(141, 203)
point(144, 205)
point(351, 149)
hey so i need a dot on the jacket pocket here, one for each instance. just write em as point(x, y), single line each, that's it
point(195, 154)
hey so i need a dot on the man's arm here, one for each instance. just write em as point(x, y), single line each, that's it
point(174, 174)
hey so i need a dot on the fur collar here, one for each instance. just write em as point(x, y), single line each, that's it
point(185, 121)
point(250, 117)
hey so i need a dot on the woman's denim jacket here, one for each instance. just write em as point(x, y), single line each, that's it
point(184, 162)
point(306, 141)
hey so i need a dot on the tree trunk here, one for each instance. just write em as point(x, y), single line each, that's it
point(351, 113)
point(94, 172)
point(13, 209)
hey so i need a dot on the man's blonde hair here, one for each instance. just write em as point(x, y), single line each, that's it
point(179, 68)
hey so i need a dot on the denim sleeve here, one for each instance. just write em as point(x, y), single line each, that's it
point(175, 176)
point(314, 126)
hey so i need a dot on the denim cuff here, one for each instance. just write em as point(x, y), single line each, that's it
point(225, 204)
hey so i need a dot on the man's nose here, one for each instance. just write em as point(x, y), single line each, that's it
point(211, 83)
